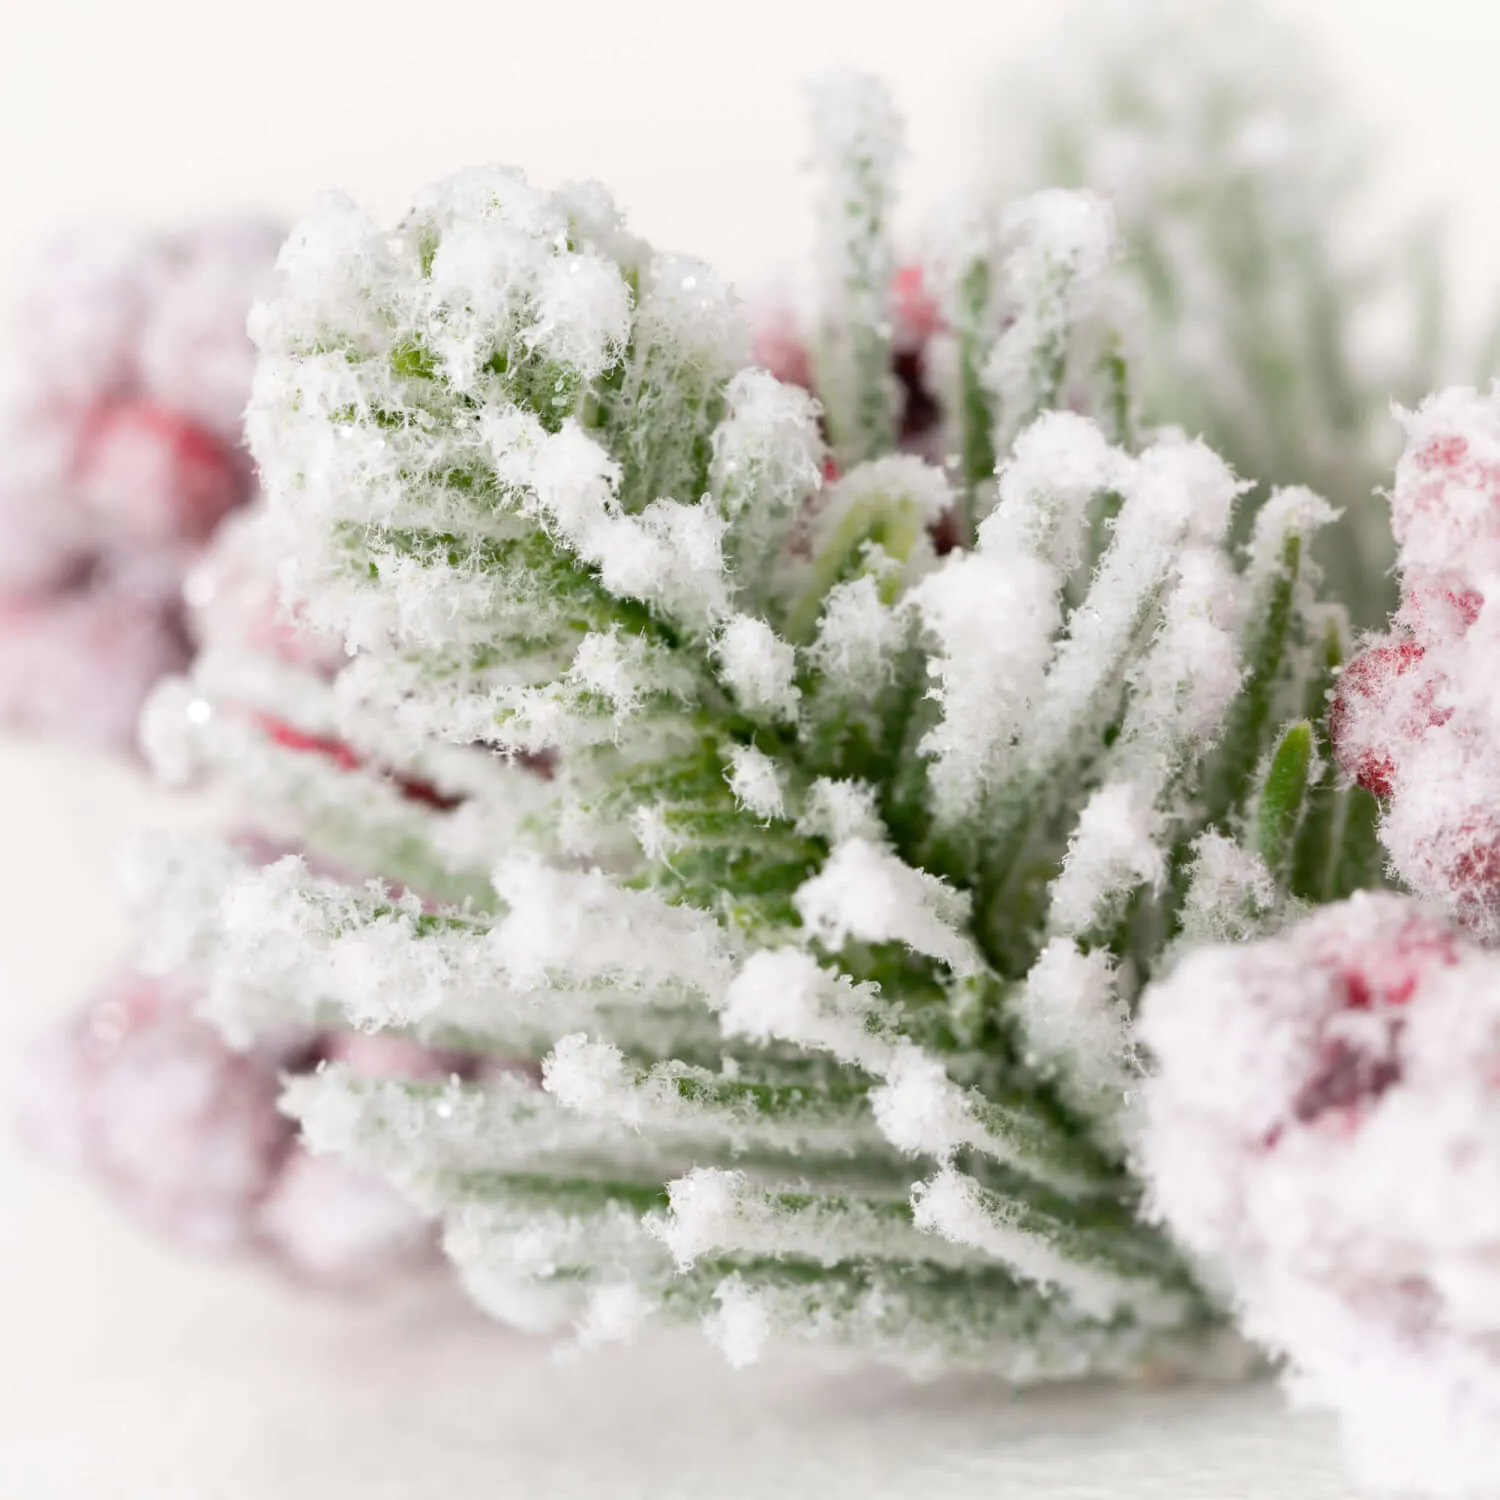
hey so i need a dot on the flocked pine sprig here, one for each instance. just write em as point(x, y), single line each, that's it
point(1273, 313)
point(828, 859)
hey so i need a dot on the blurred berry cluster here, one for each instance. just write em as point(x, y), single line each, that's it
point(185, 1132)
point(127, 369)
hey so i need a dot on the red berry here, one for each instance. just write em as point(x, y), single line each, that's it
point(1443, 452)
point(1467, 860)
point(1373, 712)
point(918, 315)
point(777, 345)
point(416, 790)
point(1347, 1078)
point(1445, 506)
point(146, 470)
point(1440, 608)
point(1375, 971)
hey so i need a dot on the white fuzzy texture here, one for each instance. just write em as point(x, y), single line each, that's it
point(1292, 512)
point(768, 445)
point(221, 722)
point(578, 927)
point(1442, 827)
point(741, 1324)
point(668, 555)
point(854, 119)
point(949, 1205)
point(1415, 716)
point(866, 893)
point(1061, 245)
point(613, 1314)
point(489, 266)
point(921, 1111)
point(858, 635)
point(1183, 686)
point(1058, 465)
point(857, 139)
point(918, 492)
point(755, 783)
point(783, 994)
point(590, 1077)
point(767, 462)
point(1076, 1028)
point(718, 1209)
point(758, 667)
point(1178, 495)
point(1299, 1081)
point(841, 810)
point(992, 617)
point(705, 1204)
point(688, 307)
point(582, 313)
point(1229, 894)
point(1114, 848)
point(429, 411)
point(1444, 505)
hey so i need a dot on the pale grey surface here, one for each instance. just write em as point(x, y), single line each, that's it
point(129, 1373)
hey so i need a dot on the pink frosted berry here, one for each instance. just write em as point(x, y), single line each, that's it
point(152, 475)
point(184, 1131)
point(83, 304)
point(917, 314)
point(341, 1229)
point(1323, 1126)
point(80, 663)
point(1445, 506)
point(1439, 610)
point(1444, 834)
point(383, 1055)
point(778, 346)
point(1383, 701)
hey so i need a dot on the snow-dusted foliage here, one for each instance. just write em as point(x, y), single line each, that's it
point(813, 862)
point(1276, 310)
point(1325, 1127)
point(126, 372)
point(1323, 1120)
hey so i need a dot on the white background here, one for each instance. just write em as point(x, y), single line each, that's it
point(125, 1374)
point(688, 109)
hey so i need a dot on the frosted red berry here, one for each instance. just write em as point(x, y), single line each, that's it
point(918, 315)
point(149, 473)
point(1374, 711)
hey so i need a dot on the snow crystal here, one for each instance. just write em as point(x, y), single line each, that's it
point(759, 667)
point(754, 781)
point(993, 618)
point(866, 893)
point(1114, 848)
point(741, 1324)
point(1058, 465)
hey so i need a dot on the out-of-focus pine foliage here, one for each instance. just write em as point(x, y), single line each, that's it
point(1276, 314)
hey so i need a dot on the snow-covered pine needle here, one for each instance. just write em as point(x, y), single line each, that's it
point(797, 870)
